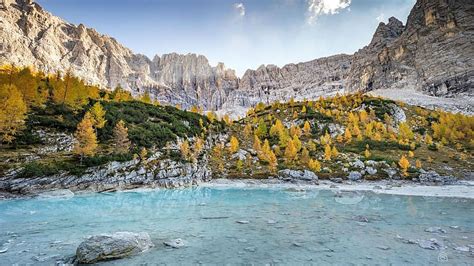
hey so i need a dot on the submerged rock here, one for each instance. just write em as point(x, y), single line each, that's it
point(243, 222)
point(60, 194)
point(435, 230)
point(175, 243)
point(112, 246)
point(431, 244)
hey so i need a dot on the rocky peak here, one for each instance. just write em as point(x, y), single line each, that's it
point(387, 32)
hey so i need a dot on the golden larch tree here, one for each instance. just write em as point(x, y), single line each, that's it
point(314, 165)
point(234, 145)
point(404, 165)
point(86, 140)
point(290, 151)
point(97, 113)
point(327, 152)
point(120, 141)
point(12, 112)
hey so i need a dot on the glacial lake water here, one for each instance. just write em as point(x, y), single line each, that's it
point(284, 227)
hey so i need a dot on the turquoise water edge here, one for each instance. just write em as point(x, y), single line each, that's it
point(284, 227)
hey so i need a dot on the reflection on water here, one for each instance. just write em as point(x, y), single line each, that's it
point(284, 226)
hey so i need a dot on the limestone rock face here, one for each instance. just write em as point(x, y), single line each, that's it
point(308, 80)
point(432, 53)
point(30, 36)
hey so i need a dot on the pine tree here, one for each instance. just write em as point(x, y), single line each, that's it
point(367, 153)
point(97, 113)
point(234, 145)
point(261, 130)
point(305, 156)
point(314, 165)
point(12, 112)
point(307, 128)
point(347, 135)
point(86, 140)
point(248, 130)
point(185, 151)
point(121, 142)
point(418, 164)
point(327, 152)
point(297, 143)
point(143, 154)
point(145, 97)
point(404, 165)
point(334, 152)
point(257, 144)
point(290, 151)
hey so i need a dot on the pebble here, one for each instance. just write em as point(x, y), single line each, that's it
point(250, 249)
point(243, 222)
point(454, 227)
point(175, 243)
point(3, 250)
point(271, 222)
point(296, 244)
point(383, 247)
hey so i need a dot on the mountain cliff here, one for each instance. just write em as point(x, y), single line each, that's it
point(30, 36)
point(432, 53)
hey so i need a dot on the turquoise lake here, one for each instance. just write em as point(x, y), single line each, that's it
point(284, 227)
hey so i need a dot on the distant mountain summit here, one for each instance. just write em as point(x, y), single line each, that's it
point(433, 53)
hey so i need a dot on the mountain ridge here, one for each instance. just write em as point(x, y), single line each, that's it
point(431, 54)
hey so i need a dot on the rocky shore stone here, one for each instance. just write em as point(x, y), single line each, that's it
point(112, 246)
point(305, 175)
point(354, 176)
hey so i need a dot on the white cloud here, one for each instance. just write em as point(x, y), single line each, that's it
point(381, 17)
point(240, 7)
point(325, 7)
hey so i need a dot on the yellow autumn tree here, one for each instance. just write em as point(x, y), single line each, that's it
point(404, 165)
point(198, 147)
point(248, 130)
point(121, 142)
point(145, 97)
point(327, 152)
point(297, 143)
point(334, 152)
point(367, 153)
point(257, 143)
point(12, 112)
point(290, 151)
point(143, 154)
point(305, 156)
point(347, 135)
point(314, 165)
point(97, 113)
point(86, 140)
point(185, 149)
point(234, 145)
point(307, 129)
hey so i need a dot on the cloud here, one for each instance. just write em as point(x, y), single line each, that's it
point(240, 7)
point(325, 7)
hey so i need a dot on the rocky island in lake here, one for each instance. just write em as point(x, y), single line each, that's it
point(111, 157)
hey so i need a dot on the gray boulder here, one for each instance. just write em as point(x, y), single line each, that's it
point(354, 176)
point(433, 178)
point(305, 175)
point(112, 246)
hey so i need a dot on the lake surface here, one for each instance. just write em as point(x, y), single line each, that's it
point(284, 227)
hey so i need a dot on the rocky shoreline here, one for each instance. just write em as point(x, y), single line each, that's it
point(63, 186)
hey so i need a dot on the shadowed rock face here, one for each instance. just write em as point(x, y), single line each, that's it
point(432, 53)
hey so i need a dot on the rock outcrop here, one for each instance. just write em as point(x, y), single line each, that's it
point(152, 173)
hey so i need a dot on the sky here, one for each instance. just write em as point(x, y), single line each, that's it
point(241, 33)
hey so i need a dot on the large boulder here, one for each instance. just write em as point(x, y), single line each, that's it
point(305, 175)
point(433, 178)
point(354, 176)
point(112, 246)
